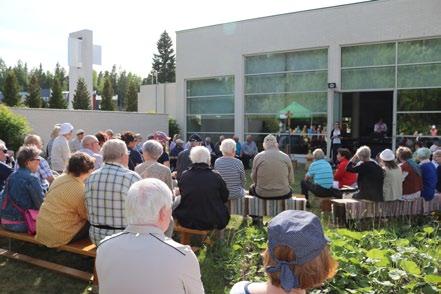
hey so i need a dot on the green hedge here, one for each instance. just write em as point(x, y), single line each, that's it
point(13, 128)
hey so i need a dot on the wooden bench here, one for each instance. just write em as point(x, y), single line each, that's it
point(345, 211)
point(82, 247)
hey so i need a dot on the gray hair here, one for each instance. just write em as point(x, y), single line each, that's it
point(153, 148)
point(33, 139)
point(55, 131)
point(113, 150)
point(88, 140)
point(364, 153)
point(318, 154)
point(228, 146)
point(27, 153)
point(200, 154)
point(437, 153)
point(270, 142)
point(144, 201)
point(423, 153)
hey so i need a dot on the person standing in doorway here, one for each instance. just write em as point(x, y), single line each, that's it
point(336, 141)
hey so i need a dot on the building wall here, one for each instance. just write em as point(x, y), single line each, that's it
point(158, 98)
point(367, 22)
point(43, 120)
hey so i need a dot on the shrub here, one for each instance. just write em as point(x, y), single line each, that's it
point(173, 127)
point(13, 128)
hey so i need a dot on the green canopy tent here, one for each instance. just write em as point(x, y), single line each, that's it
point(296, 110)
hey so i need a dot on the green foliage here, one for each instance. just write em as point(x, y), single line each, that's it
point(13, 128)
point(107, 95)
point(11, 89)
point(173, 127)
point(81, 98)
point(132, 97)
point(34, 100)
point(57, 100)
point(21, 72)
point(164, 62)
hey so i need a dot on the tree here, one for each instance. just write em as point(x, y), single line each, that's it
point(123, 85)
point(173, 127)
point(11, 89)
point(60, 74)
point(132, 96)
point(21, 72)
point(107, 95)
point(34, 99)
point(57, 100)
point(81, 98)
point(13, 128)
point(164, 61)
point(3, 72)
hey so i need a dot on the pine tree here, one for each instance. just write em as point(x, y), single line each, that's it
point(34, 99)
point(81, 98)
point(132, 96)
point(106, 96)
point(11, 89)
point(57, 100)
point(123, 85)
point(164, 62)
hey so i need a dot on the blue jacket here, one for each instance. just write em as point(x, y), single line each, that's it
point(428, 172)
point(25, 190)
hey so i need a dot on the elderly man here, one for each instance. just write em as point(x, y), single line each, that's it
point(319, 178)
point(91, 146)
point(184, 162)
point(249, 150)
point(142, 259)
point(106, 190)
point(75, 144)
point(272, 172)
point(60, 152)
point(5, 170)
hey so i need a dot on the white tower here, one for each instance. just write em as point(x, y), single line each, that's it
point(82, 55)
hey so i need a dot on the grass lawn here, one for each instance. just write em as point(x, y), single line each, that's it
point(399, 257)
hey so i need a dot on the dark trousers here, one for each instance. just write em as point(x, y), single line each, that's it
point(335, 148)
point(246, 160)
point(317, 190)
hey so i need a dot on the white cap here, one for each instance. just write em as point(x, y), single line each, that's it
point(66, 128)
point(387, 155)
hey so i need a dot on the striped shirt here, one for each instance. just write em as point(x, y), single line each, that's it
point(106, 190)
point(233, 173)
point(321, 172)
point(63, 212)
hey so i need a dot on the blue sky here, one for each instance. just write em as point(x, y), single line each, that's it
point(37, 31)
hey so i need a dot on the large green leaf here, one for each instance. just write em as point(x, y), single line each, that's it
point(351, 234)
point(379, 256)
point(433, 279)
point(410, 267)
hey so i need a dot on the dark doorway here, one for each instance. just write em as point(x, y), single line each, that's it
point(360, 112)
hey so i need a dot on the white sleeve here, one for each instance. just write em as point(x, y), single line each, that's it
point(239, 288)
point(192, 276)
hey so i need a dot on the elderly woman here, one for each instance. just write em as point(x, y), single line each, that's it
point(231, 169)
point(203, 195)
point(370, 175)
point(22, 190)
point(437, 162)
point(298, 256)
point(53, 135)
point(412, 183)
point(63, 214)
point(150, 168)
point(341, 176)
point(393, 176)
point(428, 173)
point(272, 172)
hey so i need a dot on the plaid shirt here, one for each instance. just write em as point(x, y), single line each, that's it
point(106, 190)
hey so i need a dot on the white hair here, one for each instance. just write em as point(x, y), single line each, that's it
point(87, 140)
point(364, 153)
point(228, 146)
point(113, 150)
point(318, 154)
point(144, 201)
point(270, 142)
point(200, 154)
point(153, 148)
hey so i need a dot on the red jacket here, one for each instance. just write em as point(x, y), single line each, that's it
point(342, 176)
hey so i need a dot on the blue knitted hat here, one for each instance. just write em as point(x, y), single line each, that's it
point(303, 233)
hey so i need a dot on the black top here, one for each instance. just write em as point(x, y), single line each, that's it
point(135, 158)
point(164, 157)
point(183, 163)
point(438, 173)
point(203, 197)
point(370, 180)
point(5, 171)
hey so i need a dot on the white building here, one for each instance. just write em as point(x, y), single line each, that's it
point(383, 56)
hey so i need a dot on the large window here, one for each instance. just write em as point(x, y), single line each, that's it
point(419, 87)
point(292, 84)
point(210, 106)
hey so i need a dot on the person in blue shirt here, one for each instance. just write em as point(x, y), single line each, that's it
point(428, 173)
point(238, 147)
point(319, 178)
point(22, 190)
point(5, 170)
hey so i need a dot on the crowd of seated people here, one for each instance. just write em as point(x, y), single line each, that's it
point(129, 199)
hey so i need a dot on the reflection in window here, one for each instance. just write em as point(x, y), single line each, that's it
point(423, 75)
point(367, 55)
point(419, 100)
point(417, 123)
point(419, 51)
point(368, 78)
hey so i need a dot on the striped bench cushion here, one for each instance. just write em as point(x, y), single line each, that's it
point(260, 207)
